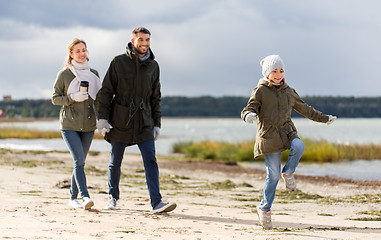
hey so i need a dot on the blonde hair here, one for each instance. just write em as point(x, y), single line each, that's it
point(70, 47)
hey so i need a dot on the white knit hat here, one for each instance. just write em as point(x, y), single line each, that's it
point(270, 63)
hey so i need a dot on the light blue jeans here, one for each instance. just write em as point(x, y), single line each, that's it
point(79, 145)
point(273, 170)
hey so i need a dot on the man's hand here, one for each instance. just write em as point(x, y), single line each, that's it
point(103, 127)
point(156, 132)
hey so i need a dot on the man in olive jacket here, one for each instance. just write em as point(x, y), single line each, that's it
point(128, 107)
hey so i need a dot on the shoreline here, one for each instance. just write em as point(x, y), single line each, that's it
point(243, 165)
point(215, 202)
point(236, 170)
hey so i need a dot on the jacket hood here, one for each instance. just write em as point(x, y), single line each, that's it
point(134, 56)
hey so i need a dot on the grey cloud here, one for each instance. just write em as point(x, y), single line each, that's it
point(111, 14)
point(203, 47)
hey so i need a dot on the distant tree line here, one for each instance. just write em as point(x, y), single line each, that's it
point(344, 107)
point(29, 108)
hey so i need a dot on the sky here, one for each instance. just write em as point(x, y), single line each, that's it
point(203, 47)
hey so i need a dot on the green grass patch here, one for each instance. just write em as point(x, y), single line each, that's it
point(30, 163)
point(222, 151)
point(225, 185)
point(32, 152)
point(174, 182)
point(296, 195)
point(30, 193)
point(250, 199)
point(372, 212)
point(93, 153)
point(139, 170)
point(364, 198)
point(91, 170)
point(26, 133)
point(365, 219)
point(316, 151)
point(246, 185)
point(325, 214)
point(281, 213)
point(282, 197)
point(359, 198)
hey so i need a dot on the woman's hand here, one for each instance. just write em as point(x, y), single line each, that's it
point(79, 96)
point(331, 119)
point(250, 117)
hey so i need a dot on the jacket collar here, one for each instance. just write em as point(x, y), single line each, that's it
point(266, 83)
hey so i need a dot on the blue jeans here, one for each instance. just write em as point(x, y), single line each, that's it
point(79, 145)
point(273, 167)
point(147, 149)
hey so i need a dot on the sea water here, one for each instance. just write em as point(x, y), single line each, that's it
point(173, 130)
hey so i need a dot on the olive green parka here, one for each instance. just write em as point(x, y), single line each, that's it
point(273, 106)
point(130, 98)
point(76, 116)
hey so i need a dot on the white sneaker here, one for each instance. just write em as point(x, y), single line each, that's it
point(88, 203)
point(111, 204)
point(164, 207)
point(75, 204)
point(289, 180)
point(264, 218)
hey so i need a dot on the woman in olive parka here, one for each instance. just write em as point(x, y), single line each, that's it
point(77, 115)
point(271, 103)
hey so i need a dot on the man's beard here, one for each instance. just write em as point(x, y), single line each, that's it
point(140, 52)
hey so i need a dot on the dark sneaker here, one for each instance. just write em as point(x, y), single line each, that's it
point(164, 207)
point(264, 218)
point(111, 204)
point(289, 180)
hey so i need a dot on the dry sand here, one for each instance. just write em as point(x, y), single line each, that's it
point(215, 201)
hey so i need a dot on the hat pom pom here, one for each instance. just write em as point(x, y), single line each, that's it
point(261, 62)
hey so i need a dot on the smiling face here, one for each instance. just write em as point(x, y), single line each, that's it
point(79, 53)
point(276, 76)
point(141, 42)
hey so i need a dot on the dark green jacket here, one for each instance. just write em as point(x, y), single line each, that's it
point(76, 116)
point(130, 98)
point(273, 106)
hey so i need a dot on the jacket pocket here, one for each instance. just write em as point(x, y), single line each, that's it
point(265, 129)
point(120, 116)
point(147, 115)
point(288, 129)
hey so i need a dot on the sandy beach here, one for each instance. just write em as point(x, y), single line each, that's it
point(215, 201)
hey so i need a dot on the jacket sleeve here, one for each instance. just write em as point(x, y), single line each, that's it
point(103, 101)
point(156, 100)
point(95, 72)
point(253, 105)
point(308, 111)
point(59, 91)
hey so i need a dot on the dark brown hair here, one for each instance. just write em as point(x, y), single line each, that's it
point(142, 30)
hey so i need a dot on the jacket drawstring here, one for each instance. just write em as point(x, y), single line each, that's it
point(133, 111)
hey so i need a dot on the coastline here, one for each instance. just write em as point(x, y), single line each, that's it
point(215, 201)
